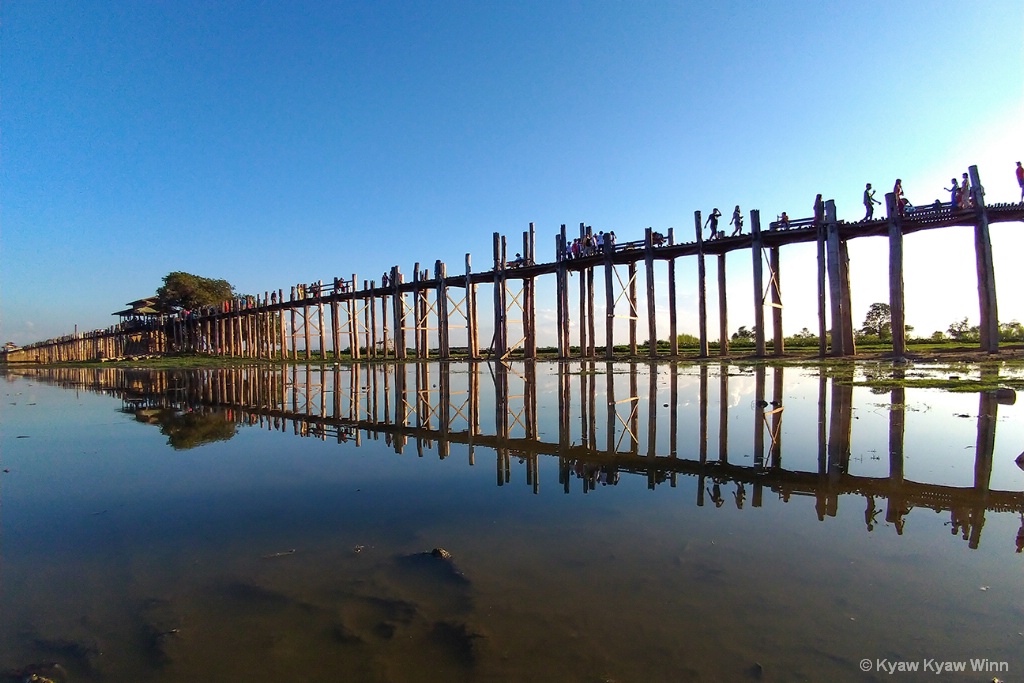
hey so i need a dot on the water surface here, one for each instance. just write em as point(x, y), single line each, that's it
point(606, 522)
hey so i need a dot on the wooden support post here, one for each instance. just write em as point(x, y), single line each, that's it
point(372, 323)
point(987, 303)
point(472, 333)
point(849, 344)
point(398, 306)
point(424, 318)
point(591, 350)
point(529, 294)
point(652, 320)
point(561, 297)
point(369, 333)
point(631, 270)
point(822, 238)
point(336, 319)
point(417, 337)
point(756, 251)
point(702, 291)
point(582, 317)
point(723, 313)
point(443, 347)
point(835, 279)
point(673, 331)
point(609, 297)
point(778, 340)
point(320, 319)
point(498, 347)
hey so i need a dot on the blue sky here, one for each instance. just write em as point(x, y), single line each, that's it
point(270, 143)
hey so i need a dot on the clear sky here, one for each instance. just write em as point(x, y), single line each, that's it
point(270, 143)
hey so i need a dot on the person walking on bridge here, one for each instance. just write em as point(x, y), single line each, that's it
point(1020, 180)
point(954, 194)
point(713, 220)
point(737, 220)
point(869, 202)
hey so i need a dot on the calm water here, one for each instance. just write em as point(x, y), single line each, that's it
point(605, 523)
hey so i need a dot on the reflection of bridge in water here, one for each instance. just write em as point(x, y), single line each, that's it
point(597, 440)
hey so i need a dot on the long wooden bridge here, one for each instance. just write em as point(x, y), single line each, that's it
point(374, 319)
point(601, 433)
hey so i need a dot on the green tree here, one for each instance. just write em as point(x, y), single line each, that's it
point(185, 290)
point(960, 329)
point(878, 321)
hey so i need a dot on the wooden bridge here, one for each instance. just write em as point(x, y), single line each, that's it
point(372, 319)
point(596, 439)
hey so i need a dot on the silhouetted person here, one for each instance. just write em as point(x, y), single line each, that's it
point(713, 220)
point(1020, 181)
point(897, 191)
point(740, 495)
point(1020, 532)
point(966, 201)
point(716, 495)
point(819, 211)
point(954, 194)
point(737, 220)
point(871, 513)
point(869, 202)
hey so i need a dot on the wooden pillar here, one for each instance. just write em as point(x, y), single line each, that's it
point(631, 270)
point(583, 321)
point(835, 279)
point(702, 291)
point(723, 313)
point(849, 343)
point(371, 323)
point(897, 321)
point(472, 331)
point(320, 319)
point(336, 319)
point(822, 238)
point(398, 306)
point(530, 294)
point(756, 251)
point(652, 321)
point(369, 320)
point(561, 297)
point(987, 303)
point(500, 322)
point(417, 338)
point(609, 297)
point(778, 340)
point(443, 347)
point(673, 331)
point(305, 323)
point(353, 319)
point(424, 318)
point(591, 351)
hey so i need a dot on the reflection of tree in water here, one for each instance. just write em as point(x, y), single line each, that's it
point(185, 430)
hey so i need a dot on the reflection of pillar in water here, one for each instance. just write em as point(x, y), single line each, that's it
point(585, 382)
point(401, 418)
point(592, 399)
point(610, 400)
point(474, 409)
point(759, 421)
point(895, 507)
point(723, 413)
point(444, 407)
point(776, 435)
point(988, 408)
point(634, 415)
point(501, 421)
point(652, 421)
point(673, 429)
point(759, 403)
point(702, 439)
